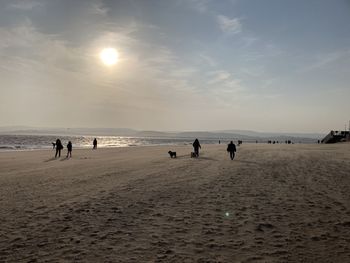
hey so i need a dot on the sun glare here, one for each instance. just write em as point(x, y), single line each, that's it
point(109, 56)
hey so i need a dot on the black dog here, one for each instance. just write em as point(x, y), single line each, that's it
point(172, 154)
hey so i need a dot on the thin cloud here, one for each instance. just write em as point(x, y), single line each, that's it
point(164, 56)
point(25, 4)
point(224, 82)
point(29, 46)
point(200, 6)
point(98, 8)
point(208, 60)
point(219, 76)
point(249, 41)
point(228, 25)
point(325, 60)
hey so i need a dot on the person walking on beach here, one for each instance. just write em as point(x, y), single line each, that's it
point(69, 149)
point(59, 147)
point(95, 144)
point(231, 148)
point(196, 146)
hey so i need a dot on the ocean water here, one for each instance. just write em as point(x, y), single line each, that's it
point(32, 142)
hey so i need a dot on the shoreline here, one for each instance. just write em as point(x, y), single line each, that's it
point(38, 142)
point(157, 145)
point(90, 148)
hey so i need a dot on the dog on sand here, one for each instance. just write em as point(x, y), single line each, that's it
point(172, 154)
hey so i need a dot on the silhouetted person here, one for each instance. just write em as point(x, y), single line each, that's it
point(59, 147)
point(69, 149)
point(231, 148)
point(196, 146)
point(95, 144)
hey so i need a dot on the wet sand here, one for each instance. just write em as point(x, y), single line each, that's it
point(273, 203)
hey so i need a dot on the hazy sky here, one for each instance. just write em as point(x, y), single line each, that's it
point(183, 64)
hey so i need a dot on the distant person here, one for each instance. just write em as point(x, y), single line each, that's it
point(231, 148)
point(69, 149)
point(196, 146)
point(59, 147)
point(219, 142)
point(95, 144)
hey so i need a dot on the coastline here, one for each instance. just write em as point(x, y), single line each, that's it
point(13, 142)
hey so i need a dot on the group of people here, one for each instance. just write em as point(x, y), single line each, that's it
point(231, 148)
point(59, 147)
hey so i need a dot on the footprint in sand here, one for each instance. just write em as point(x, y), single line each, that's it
point(263, 226)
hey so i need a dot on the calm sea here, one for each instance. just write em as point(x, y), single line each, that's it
point(32, 142)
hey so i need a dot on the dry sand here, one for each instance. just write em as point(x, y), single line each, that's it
point(273, 203)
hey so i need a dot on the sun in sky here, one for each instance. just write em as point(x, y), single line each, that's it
point(109, 56)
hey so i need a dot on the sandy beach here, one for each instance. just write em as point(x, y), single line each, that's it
point(273, 203)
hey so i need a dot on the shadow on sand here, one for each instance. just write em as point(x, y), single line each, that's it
point(49, 160)
point(205, 158)
point(248, 162)
point(59, 158)
point(187, 156)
